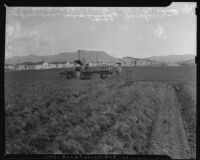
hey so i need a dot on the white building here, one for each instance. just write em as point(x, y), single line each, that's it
point(9, 67)
point(130, 61)
point(25, 66)
point(61, 65)
point(69, 64)
point(41, 65)
point(52, 65)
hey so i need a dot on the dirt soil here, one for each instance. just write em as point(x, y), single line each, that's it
point(186, 94)
point(168, 135)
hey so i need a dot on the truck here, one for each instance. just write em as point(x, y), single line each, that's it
point(87, 73)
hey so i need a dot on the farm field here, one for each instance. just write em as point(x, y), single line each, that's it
point(46, 114)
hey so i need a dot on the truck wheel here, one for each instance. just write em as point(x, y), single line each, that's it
point(68, 76)
point(103, 76)
point(63, 76)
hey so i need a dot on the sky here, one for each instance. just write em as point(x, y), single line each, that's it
point(120, 31)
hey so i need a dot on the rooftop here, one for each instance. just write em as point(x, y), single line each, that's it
point(38, 63)
point(26, 63)
point(57, 62)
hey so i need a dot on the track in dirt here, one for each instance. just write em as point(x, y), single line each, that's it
point(186, 94)
point(168, 135)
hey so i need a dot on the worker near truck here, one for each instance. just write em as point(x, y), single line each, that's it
point(118, 70)
point(78, 67)
point(87, 66)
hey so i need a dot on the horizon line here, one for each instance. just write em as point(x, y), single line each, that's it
point(156, 55)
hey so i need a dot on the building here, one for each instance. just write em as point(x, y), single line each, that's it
point(156, 63)
point(25, 66)
point(52, 65)
point(61, 64)
point(190, 62)
point(32, 66)
point(69, 64)
point(172, 64)
point(139, 62)
point(56, 64)
point(129, 61)
point(143, 62)
point(41, 65)
point(9, 67)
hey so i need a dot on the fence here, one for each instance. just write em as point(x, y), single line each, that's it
point(127, 73)
point(151, 73)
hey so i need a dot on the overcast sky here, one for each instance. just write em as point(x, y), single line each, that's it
point(126, 31)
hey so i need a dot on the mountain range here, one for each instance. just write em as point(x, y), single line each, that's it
point(65, 56)
point(172, 58)
point(90, 56)
point(187, 62)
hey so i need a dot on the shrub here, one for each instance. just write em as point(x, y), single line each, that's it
point(71, 147)
point(104, 122)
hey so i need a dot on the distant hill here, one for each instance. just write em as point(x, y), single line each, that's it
point(172, 58)
point(132, 58)
point(187, 62)
point(65, 56)
point(92, 56)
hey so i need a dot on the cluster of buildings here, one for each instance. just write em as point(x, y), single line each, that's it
point(126, 61)
point(38, 65)
point(130, 61)
point(49, 65)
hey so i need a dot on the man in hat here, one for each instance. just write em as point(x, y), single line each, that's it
point(78, 68)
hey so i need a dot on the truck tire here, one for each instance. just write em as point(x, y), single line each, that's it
point(69, 76)
point(103, 76)
point(63, 76)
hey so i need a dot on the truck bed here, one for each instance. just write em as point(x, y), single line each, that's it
point(97, 70)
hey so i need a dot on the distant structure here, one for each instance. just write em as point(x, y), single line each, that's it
point(25, 66)
point(9, 67)
point(38, 65)
point(79, 56)
point(130, 61)
point(190, 62)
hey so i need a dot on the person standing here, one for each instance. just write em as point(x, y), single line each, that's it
point(78, 70)
point(118, 70)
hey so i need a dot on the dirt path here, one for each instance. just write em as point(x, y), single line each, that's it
point(187, 98)
point(169, 137)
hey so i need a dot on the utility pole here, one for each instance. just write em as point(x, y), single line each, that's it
point(97, 58)
point(17, 62)
point(79, 57)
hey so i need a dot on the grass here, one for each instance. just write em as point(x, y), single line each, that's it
point(161, 73)
point(45, 114)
